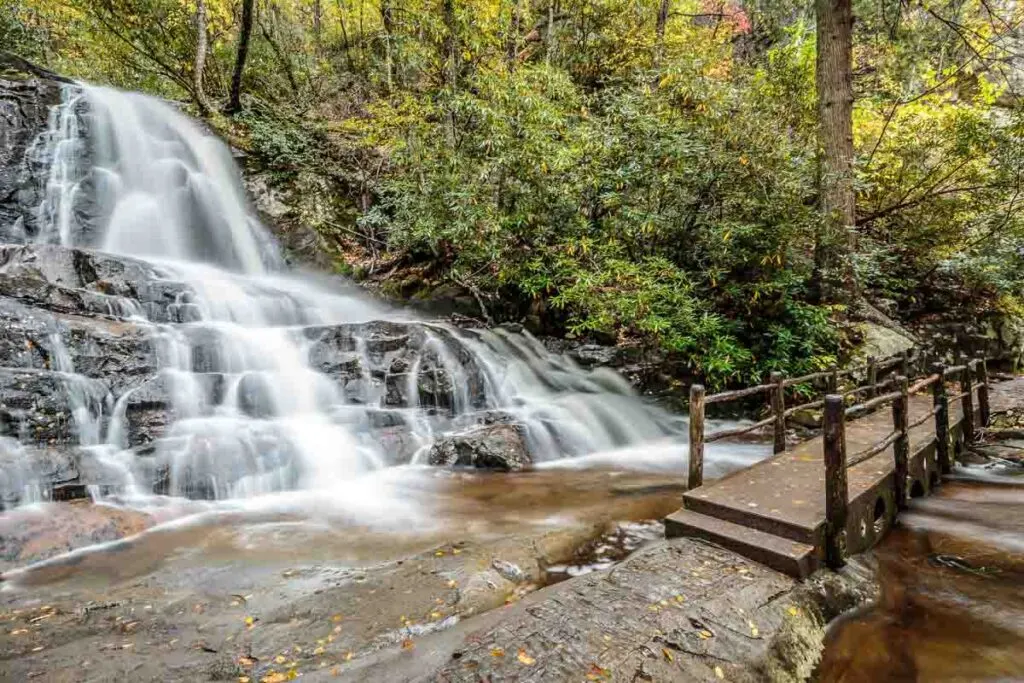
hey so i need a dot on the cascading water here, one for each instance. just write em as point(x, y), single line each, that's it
point(272, 383)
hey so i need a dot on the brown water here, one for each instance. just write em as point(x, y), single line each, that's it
point(464, 506)
point(952, 605)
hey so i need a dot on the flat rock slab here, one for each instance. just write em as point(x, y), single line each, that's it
point(678, 610)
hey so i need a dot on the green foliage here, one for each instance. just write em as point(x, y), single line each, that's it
point(631, 184)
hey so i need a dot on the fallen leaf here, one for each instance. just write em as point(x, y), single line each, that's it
point(243, 679)
point(705, 634)
point(753, 629)
point(452, 584)
point(280, 659)
point(407, 644)
point(246, 662)
point(319, 650)
point(793, 611)
point(348, 656)
point(336, 618)
point(497, 652)
point(525, 658)
point(249, 622)
point(719, 672)
point(668, 655)
point(435, 615)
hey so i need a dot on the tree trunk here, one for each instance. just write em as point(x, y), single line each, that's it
point(548, 44)
point(659, 32)
point(512, 39)
point(387, 17)
point(835, 280)
point(235, 103)
point(317, 14)
point(450, 47)
point(200, 65)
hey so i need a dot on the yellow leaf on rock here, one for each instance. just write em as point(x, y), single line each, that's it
point(407, 644)
point(497, 652)
point(793, 611)
point(668, 655)
point(348, 656)
point(719, 672)
point(279, 659)
point(524, 658)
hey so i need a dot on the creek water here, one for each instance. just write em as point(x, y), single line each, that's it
point(952, 601)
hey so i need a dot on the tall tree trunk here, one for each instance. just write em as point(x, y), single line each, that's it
point(317, 14)
point(512, 39)
point(234, 102)
point(451, 43)
point(200, 65)
point(659, 32)
point(834, 277)
point(387, 17)
point(548, 43)
point(282, 58)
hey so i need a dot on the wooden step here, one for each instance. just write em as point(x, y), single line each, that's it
point(696, 501)
point(782, 554)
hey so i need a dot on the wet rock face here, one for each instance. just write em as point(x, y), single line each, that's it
point(495, 447)
point(24, 112)
point(396, 365)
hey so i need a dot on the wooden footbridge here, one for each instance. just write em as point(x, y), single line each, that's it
point(884, 440)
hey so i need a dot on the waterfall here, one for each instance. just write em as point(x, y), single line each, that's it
point(256, 406)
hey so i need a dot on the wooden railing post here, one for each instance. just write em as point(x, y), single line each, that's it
point(832, 381)
point(983, 406)
point(779, 410)
point(905, 363)
point(836, 493)
point(901, 447)
point(872, 376)
point(967, 386)
point(696, 473)
point(940, 400)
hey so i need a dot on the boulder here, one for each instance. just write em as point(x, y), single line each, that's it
point(497, 447)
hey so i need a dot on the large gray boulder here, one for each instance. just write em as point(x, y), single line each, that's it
point(494, 447)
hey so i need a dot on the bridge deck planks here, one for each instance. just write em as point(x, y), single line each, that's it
point(785, 494)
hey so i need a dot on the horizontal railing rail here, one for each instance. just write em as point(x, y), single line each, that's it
point(778, 412)
point(973, 383)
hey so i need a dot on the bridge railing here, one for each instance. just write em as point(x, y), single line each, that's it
point(973, 380)
point(778, 412)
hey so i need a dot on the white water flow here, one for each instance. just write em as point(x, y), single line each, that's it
point(277, 387)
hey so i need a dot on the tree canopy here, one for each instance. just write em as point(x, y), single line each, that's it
point(640, 171)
